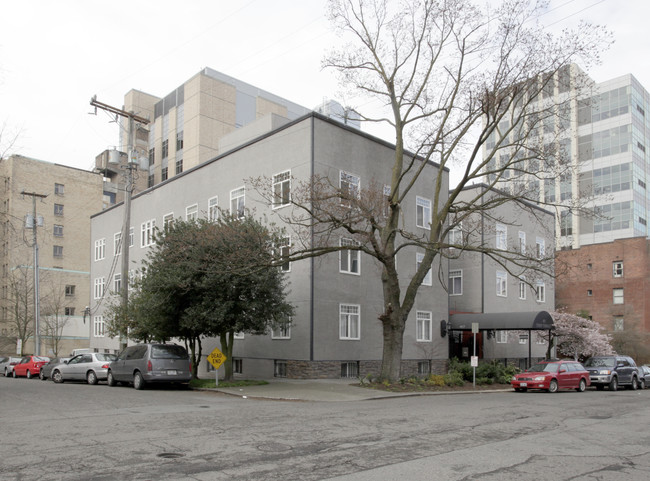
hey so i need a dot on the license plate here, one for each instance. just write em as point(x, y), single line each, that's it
point(171, 372)
point(523, 384)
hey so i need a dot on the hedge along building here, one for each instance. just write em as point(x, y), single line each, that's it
point(338, 297)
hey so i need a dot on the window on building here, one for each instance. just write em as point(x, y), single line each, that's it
point(57, 251)
point(502, 284)
point(58, 230)
point(523, 338)
point(386, 199)
point(539, 248)
point(618, 295)
point(423, 212)
point(540, 292)
point(349, 321)
point(58, 209)
point(100, 249)
point(349, 259)
point(99, 288)
point(99, 326)
point(192, 212)
point(70, 290)
point(213, 208)
point(522, 242)
point(456, 235)
point(284, 250)
point(167, 220)
point(280, 369)
point(58, 189)
point(501, 237)
point(501, 336)
point(617, 267)
point(424, 367)
point(282, 189)
point(68, 311)
point(152, 156)
point(350, 187)
point(350, 369)
point(117, 283)
point(147, 233)
point(117, 243)
point(131, 237)
point(238, 366)
point(150, 180)
point(428, 278)
point(179, 166)
point(281, 332)
point(456, 282)
point(165, 149)
point(619, 324)
point(522, 288)
point(238, 202)
point(164, 174)
point(423, 326)
point(179, 141)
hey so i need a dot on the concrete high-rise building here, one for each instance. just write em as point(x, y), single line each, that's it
point(65, 199)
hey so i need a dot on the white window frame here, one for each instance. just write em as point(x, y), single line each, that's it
point(59, 189)
point(456, 235)
point(540, 291)
point(147, 233)
point(349, 322)
point(350, 184)
point(617, 269)
point(213, 208)
point(238, 202)
point(281, 188)
point(423, 212)
point(117, 243)
point(117, 282)
point(540, 248)
point(239, 335)
point(501, 336)
point(455, 274)
point(100, 249)
point(428, 278)
point(131, 237)
point(618, 323)
point(284, 250)
point(99, 285)
point(502, 283)
point(349, 256)
point(423, 326)
point(522, 288)
point(281, 332)
point(99, 326)
point(618, 295)
point(192, 212)
point(501, 237)
point(167, 219)
point(523, 338)
point(522, 243)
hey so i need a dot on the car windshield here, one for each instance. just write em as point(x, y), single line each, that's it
point(41, 359)
point(106, 357)
point(600, 362)
point(168, 351)
point(543, 367)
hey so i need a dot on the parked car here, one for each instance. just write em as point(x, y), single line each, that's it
point(612, 371)
point(90, 367)
point(551, 376)
point(46, 371)
point(644, 377)
point(30, 366)
point(7, 365)
point(150, 363)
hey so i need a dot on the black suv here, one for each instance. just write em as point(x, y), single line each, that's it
point(612, 371)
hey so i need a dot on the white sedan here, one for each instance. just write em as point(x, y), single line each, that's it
point(90, 367)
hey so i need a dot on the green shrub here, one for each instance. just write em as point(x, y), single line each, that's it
point(454, 379)
point(436, 380)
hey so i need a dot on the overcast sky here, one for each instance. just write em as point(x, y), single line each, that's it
point(55, 55)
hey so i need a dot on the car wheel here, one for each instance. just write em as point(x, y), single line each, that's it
point(138, 381)
point(91, 377)
point(29, 375)
point(552, 387)
point(13, 374)
point(641, 383)
point(57, 377)
point(613, 384)
point(635, 384)
point(110, 380)
point(41, 376)
point(582, 386)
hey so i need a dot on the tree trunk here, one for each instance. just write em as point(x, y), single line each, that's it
point(227, 339)
point(391, 363)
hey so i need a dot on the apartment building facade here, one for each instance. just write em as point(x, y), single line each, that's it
point(504, 299)
point(63, 198)
point(338, 297)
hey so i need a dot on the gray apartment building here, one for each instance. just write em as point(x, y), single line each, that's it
point(507, 303)
point(338, 297)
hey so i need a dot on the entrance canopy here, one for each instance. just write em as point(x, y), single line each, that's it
point(504, 321)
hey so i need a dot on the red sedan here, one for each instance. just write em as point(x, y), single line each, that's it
point(551, 376)
point(30, 366)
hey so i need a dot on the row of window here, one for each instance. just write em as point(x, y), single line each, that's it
point(617, 295)
point(502, 287)
point(501, 242)
point(501, 337)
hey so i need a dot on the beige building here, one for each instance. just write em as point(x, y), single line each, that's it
point(64, 198)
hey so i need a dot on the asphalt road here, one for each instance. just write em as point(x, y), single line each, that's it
point(78, 432)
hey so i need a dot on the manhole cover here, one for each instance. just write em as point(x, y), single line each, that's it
point(170, 455)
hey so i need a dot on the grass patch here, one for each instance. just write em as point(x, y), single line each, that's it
point(211, 383)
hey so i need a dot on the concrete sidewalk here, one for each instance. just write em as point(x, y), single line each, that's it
point(326, 390)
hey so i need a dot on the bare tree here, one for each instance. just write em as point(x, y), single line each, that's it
point(8, 140)
point(53, 315)
point(20, 301)
point(472, 89)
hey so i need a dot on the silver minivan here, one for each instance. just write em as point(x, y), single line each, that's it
point(149, 363)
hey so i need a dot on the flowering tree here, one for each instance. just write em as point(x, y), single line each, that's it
point(577, 337)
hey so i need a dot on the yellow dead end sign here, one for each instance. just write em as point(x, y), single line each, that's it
point(216, 358)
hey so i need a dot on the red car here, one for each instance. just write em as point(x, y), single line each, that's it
point(552, 375)
point(30, 366)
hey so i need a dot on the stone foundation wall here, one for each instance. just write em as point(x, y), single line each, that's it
point(332, 369)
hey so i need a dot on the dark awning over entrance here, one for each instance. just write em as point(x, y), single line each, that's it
point(504, 321)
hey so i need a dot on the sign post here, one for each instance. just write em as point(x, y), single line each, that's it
point(216, 358)
point(474, 361)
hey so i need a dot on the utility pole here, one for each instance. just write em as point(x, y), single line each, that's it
point(130, 167)
point(37, 314)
